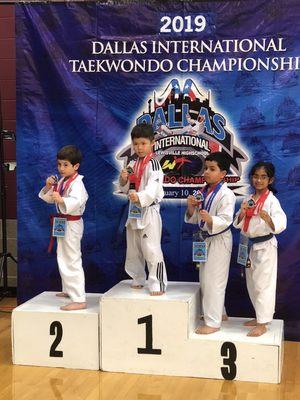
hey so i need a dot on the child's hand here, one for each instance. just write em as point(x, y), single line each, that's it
point(50, 181)
point(244, 207)
point(192, 203)
point(205, 216)
point(57, 198)
point(266, 217)
point(124, 176)
point(133, 197)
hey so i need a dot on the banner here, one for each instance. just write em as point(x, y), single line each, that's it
point(209, 76)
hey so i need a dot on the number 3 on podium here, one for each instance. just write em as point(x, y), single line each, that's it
point(229, 354)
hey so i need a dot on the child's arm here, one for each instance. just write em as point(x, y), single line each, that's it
point(75, 199)
point(243, 209)
point(276, 220)
point(192, 204)
point(240, 215)
point(46, 193)
point(192, 215)
point(204, 215)
point(124, 181)
point(149, 194)
point(224, 214)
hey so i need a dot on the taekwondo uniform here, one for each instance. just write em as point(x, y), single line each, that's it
point(69, 247)
point(144, 235)
point(213, 273)
point(262, 275)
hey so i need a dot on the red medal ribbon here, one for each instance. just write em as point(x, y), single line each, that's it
point(256, 209)
point(139, 168)
point(63, 186)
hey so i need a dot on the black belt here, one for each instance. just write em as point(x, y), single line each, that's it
point(204, 234)
point(260, 239)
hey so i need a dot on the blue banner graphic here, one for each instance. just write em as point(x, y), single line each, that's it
point(215, 76)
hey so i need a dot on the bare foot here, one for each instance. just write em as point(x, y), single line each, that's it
point(258, 330)
point(206, 330)
point(62, 294)
point(224, 317)
point(156, 293)
point(137, 286)
point(73, 306)
point(252, 322)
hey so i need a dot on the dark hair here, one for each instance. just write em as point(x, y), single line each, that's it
point(221, 159)
point(70, 153)
point(142, 131)
point(270, 171)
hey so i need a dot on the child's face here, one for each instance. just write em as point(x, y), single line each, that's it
point(212, 173)
point(142, 146)
point(66, 169)
point(261, 180)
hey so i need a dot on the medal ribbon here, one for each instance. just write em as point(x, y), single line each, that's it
point(63, 186)
point(206, 192)
point(256, 209)
point(139, 168)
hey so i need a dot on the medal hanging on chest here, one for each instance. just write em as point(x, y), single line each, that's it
point(135, 177)
point(63, 186)
point(254, 208)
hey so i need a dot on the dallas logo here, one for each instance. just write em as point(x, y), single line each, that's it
point(187, 129)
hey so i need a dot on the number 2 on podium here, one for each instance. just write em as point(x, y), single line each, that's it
point(56, 329)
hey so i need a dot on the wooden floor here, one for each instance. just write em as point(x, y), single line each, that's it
point(40, 383)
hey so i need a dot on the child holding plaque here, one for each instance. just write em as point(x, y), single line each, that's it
point(214, 217)
point(69, 196)
point(144, 184)
point(260, 218)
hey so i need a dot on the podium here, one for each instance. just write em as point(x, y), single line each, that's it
point(143, 334)
point(44, 335)
point(140, 333)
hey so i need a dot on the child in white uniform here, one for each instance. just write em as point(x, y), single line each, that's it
point(214, 222)
point(143, 233)
point(69, 196)
point(259, 218)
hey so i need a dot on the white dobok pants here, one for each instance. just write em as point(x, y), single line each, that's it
point(70, 262)
point(144, 245)
point(213, 276)
point(262, 278)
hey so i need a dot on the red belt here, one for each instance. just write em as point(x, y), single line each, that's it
point(68, 218)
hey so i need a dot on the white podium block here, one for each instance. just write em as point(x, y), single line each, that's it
point(155, 335)
point(44, 335)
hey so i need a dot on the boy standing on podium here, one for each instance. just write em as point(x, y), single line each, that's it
point(214, 216)
point(69, 196)
point(144, 185)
